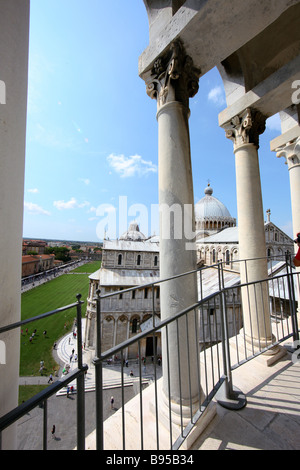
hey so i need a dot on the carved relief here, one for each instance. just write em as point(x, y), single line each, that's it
point(246, 128)
point(173, 77)
point(291, 153)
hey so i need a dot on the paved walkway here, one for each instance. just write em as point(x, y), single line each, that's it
point(62, 409)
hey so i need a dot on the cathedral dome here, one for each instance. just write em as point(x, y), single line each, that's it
point(212, 214)
point(133, 233)
point(210, 207)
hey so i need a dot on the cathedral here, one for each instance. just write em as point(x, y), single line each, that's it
point(133, 261)
point(218, 238)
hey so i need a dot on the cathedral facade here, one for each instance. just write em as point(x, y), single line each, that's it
point(218, 237)
point(133, 261)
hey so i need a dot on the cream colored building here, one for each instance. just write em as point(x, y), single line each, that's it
point(218, 235)
point(130, 261)
point(255, 46)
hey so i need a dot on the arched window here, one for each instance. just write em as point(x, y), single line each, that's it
point(155, 260)
point(134, 325)
point(119, 260)
point(139, 260)
point(227, 257)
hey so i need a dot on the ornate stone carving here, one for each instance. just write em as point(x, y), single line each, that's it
point(291, 152)
point(173, 77)
point(246, 128)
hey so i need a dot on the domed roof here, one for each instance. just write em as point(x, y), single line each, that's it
point(133, 233)
point(210, 207)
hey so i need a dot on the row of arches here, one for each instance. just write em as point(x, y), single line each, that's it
point(139, 260)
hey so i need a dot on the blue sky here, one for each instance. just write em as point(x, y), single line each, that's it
point(92, 129)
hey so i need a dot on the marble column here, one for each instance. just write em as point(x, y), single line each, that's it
point(244, 131)
point(291, 152)
point(14, 40)
point(173, 81)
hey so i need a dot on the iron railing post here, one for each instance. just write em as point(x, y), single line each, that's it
point(291, 288)
point(229, 397)
point(80, 383)
point(45, 423)
point(99, 376)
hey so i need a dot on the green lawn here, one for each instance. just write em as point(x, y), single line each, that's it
point(28, 391)
point(88, 267)
point(50, 296)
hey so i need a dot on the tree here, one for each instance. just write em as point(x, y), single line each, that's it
point(61, 252)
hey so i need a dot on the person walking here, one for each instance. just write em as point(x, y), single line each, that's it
point(112, 401)
point(53, 431)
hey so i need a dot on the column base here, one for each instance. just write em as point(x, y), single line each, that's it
point(180, 422)
point(247, 346)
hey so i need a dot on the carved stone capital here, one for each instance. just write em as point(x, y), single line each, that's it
point(173, 77)
point(291, 153)
point(246, 128)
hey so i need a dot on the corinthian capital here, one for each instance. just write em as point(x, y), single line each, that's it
point(291, 152)
point(246, 128)
point(173, 77)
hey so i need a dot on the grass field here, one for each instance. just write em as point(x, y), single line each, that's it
point(57, 293)
point(88, 268)
point(28, 391)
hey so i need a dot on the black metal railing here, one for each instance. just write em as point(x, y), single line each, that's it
point(216, 354)
point(212, 332)
point(41, 398)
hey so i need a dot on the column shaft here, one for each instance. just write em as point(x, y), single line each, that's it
point(244, 131)
point(173, 81)
point(176, 190)
point(14, 40)
point(252, 245)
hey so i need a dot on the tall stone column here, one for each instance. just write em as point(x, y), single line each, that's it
point(244, 131)
point(14, 40)
point(173, 81)
point(291, 152)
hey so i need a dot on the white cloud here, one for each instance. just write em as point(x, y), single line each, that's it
point(134, 165)
point(85, 181)
point(217, 96)
point(72, 204)
point(35, 209)
point(83, 204)
point(33, 190)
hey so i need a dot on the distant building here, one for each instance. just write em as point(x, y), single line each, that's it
point(218, 236)
point(34, 264)
point(34, 246)
point(130, 261)
point(134, 260)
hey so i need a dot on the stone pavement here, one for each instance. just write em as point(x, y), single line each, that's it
point(270, 421)
point(62, 409)
point(111, 372)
